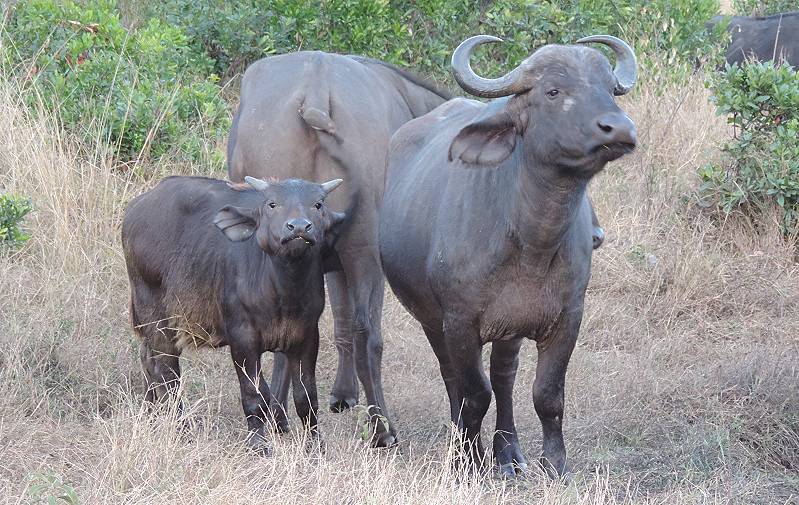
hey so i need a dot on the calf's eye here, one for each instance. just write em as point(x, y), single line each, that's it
point(552, 93)
point(317, 205)
point(272, 205)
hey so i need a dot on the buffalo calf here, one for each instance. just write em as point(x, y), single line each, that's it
point(214, 264)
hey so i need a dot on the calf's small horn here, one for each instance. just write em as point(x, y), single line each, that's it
point(329, 186)
point(626, 64)
point(256, 183)
point(509, 84)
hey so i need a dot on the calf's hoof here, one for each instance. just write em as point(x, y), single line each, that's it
point(315, 445)
point(339, 404)
point(258, 444)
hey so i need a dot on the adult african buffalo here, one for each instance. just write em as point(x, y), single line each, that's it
point(260, 289)
point(485, 227)
point(316, 116)
point(766, 38)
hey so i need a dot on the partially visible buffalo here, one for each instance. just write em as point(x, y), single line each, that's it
point(212, 265)
point(485, 227)
point(762, 38)
point(317, 116)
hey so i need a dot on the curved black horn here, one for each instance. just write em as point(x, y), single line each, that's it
point(509, 84)
point(626, 64)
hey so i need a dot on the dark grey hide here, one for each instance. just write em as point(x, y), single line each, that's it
point(212, 264)
point(485, 228)
point(766, 38)
point(318, 116)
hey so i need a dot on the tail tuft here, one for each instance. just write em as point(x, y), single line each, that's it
point(318, 120)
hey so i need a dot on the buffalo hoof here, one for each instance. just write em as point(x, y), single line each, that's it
point(508, 455)
point(512, 470)
point(555, 468)
point(338, 405)
point(598, 236)
point(315, 445)
point(281, 424)
point(258, 444)
point(383, 440)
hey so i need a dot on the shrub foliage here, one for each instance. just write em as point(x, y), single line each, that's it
point(763, 7)
point(760, 167)
point(422, 33)
point(150, 86)
point(13, 210)
point(146, 91)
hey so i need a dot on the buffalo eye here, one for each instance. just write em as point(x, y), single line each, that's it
point(272, 205)
point(317, 205)
point(552, 93)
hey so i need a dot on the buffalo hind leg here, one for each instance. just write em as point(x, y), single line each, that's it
point(504, 363)
point(436, 339)
point(365, 285)
point(464, 349)
point(160, 360)
point(548, 394)
point(344, 395)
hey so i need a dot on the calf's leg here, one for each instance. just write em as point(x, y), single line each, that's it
point(255, 394)
point(281, 379)
point(303, 366)
point(160, 360)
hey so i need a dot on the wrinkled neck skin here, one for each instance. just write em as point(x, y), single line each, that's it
point(289, 278)
point(546, 199)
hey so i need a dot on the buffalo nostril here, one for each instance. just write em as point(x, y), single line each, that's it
point(605, 127)
point(290, 226)
point(308, 227)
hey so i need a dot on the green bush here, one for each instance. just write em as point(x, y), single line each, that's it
point(763, 7)
point(422, 33)
point(146, 91)
point(13, 210)
point(761, 164)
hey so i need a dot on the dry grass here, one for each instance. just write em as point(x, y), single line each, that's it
point(684, 387)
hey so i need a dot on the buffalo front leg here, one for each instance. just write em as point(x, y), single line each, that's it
point(281, 380)
point(504, 363)
point(303, 371)
point(344, 395)
point(464, 346)
point(255, 394)
point(365, 286)
point(548, 392)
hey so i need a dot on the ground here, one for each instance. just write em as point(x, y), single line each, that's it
point(684, 387)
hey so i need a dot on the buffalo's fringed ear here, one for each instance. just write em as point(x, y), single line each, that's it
point(237, 223)
point(486, 141)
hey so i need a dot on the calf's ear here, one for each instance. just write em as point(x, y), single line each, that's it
point(237, 223)
point(334, 229)
point(488, 140)
point(330, 259)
